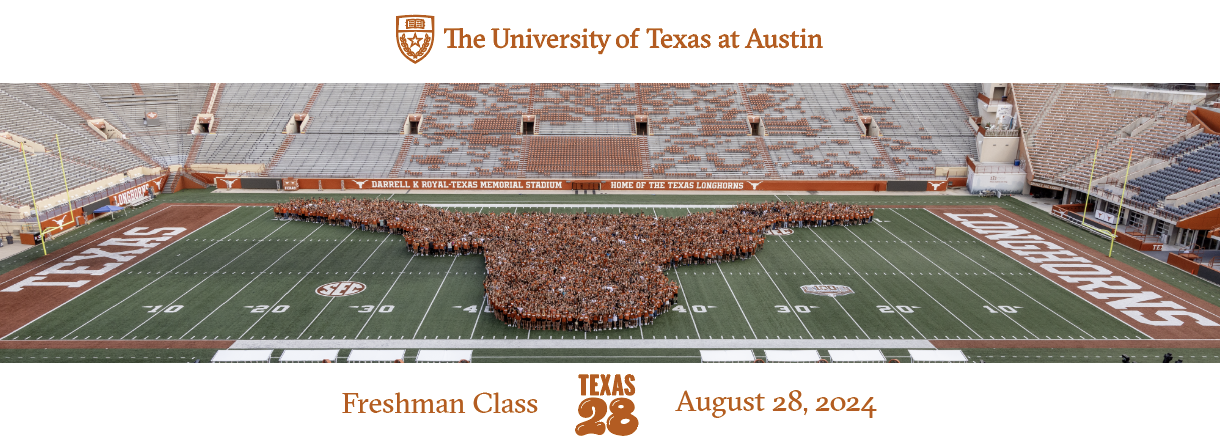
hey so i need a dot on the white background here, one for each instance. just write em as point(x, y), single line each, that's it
point(882, 41)
point(301, 41)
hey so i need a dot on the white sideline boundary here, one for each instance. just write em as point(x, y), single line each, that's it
point(584, 344)
point(590, 206)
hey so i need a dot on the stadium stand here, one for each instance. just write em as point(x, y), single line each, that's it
point(584, 109)
point(746, 131)
point(363, 108)
point(1063, 123)
point(338, 156)
point(693, 109)
point(260, 107)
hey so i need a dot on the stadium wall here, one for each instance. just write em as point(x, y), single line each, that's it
point(1179, 262)
point(1008, 183)
point(68, 220)
point(1210, 120)
point(1209, 274)
point(307, 184)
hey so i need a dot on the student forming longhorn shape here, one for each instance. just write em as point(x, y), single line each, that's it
point(577, 271)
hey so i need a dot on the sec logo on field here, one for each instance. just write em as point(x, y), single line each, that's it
point(340, 289)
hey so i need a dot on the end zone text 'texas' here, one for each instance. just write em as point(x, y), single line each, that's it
point(655, 38)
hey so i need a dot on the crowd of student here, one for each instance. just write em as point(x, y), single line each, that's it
point(583, 271)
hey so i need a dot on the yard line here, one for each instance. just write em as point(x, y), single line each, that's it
point(870, 285)
point(734, 294)
point(781, 294)
point(167, 273)
point(277, 260)
point(298, 283)
point(908, 277)
point(366, 261)
point(687, 301)
point(387, 294)
point(438, 292)
point(990, 272)
point(953, 277)
point(819, 280)
point(482, 306)
point(235, 257)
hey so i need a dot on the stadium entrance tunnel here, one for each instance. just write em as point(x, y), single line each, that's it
point(527, 125)
point(869, 126)
point(641, 126)
point(755, 125)
point(105, 130)
point(296, 124)
point(203, 124)
point(412, 125)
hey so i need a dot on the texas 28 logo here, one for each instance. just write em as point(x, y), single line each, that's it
point(621, 421)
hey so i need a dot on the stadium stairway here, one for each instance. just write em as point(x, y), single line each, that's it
point(958, 99)
point(645, 157)
point(279, 154)
point(396, 171)
point(135, 89)
point(170, 182)
point(309, 105)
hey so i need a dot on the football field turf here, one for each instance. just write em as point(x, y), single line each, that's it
point(246, 276)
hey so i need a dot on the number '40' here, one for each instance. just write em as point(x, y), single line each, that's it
point(620, 422)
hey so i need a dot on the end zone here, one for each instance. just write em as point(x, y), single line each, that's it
point(45, 284)
point(1145, 303)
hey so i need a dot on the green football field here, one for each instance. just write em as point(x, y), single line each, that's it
point(248, 277)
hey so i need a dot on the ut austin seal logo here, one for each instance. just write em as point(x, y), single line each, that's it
point(414, 34)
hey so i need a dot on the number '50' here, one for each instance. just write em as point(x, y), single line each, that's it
point(620, 423)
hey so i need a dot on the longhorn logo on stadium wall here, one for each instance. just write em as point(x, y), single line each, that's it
point(755, 184)
point(414, 35)
point(229, 182)
point(829, 290)
point(780, 231)
point(340, 289)
point(359, 184)
point(935, 185)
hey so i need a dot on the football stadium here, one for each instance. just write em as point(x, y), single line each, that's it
point(610, 222)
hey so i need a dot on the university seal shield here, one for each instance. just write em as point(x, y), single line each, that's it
point(414, 34)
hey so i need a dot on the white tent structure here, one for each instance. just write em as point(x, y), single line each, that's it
point(443, 355)
point(242, 356)
point(944, 355)
point(309, 355)
point(376, 355)
point(856, 355)
point(726, 355)
point(792, 356)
